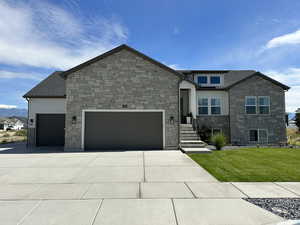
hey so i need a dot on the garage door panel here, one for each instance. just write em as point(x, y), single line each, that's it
point(50, 130)
point(123, 130)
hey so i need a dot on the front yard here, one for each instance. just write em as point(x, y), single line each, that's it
point(252, 164)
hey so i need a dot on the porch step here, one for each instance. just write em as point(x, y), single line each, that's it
point(196, 150)
point(190, 138)
point(186, 125)
point(192, 144)
point(188, 132)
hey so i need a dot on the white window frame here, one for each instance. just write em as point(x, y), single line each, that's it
point(250, 105)
point(258, 105)
point(212, 130)
point(258, 135)
point(208, 76)
point(209, 106)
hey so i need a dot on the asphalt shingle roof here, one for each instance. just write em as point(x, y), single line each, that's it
point(52, 86)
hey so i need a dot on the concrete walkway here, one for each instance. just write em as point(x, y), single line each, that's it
point(128, 188)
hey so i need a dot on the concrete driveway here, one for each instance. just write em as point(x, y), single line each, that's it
point(114, 188)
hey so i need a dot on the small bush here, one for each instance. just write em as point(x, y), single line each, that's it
point(218, 140)
point(21, 133)
point(204, 133)
point(4, 141)
point(5, 135)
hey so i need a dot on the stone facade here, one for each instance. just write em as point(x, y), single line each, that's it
point(241, 123)
point(119, 79)
point(215, 122)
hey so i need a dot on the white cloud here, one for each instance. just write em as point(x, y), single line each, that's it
point(23, 75)
point(287, 39)
point(8, 106)
point(41, 34)
point(290, 77)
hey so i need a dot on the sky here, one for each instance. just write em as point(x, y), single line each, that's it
point(38, 37)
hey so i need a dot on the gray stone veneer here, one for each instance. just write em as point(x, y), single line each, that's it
point(241, 123)
point(215, 122)
point(31, 137)
point(121, 78)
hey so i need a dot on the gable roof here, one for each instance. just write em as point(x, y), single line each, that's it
point(283, 86)
point(51, 87)
point(232, 77)
point(118, 49)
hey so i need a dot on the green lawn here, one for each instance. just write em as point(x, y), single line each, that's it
point(252, 164)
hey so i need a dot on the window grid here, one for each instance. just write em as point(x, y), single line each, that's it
point(250, 105)
point(261, 136)
point(209, 106)
point(264, 104)
point(209, 80)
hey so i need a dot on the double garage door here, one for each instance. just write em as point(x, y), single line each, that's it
point(123, 130)
point(106, 130)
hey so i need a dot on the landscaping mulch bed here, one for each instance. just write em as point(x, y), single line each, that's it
point(288, 208)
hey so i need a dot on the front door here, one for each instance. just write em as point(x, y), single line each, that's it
point(184, 104)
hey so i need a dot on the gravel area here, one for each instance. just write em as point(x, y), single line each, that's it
point(288, 208)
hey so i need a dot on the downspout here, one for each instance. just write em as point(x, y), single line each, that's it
point(27, 124)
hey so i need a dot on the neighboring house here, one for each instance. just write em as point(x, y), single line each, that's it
point(123, 99)
point(12, 123)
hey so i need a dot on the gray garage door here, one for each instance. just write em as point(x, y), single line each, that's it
point(50, 130)
point(123, 130)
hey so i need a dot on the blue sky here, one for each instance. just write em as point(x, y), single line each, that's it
point(38, 37)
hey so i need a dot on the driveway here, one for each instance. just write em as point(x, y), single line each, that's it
point(114, 188)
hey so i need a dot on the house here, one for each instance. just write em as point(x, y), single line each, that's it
point(12, 123)
point(124, 99)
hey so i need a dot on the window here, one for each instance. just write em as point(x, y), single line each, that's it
point(215, 80)
point(216, 131)
point(209, 106)
point(203, 106)
point(253, 134)
point(259, 136)
point(202, 79)
point(250, 105)
point(215, 106)
point(264, 104)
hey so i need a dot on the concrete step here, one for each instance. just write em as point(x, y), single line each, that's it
point(196, 150)
point(192, 142)
point(192, 145)
point(186, 125)
point(188, 132)
point(189, 138)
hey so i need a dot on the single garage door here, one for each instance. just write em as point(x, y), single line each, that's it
point(50, 130)
point(123, 130)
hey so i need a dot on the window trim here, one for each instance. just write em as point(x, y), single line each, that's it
point(258, 135)
point(245, 105)
point(208, 76)
point(258, 105)
point(209, 106)
point(215, 128)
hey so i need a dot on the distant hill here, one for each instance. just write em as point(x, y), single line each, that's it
point(13, 112)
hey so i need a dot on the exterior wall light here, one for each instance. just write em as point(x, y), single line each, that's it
point(74, 119)
point(171, 120)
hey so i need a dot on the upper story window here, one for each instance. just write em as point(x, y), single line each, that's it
point(209, 80)
point(215, 80)
point(215, 106)
point(264, 104)
point(250, 105)
point(260, 104)
point(202, 79)
point(209, 106)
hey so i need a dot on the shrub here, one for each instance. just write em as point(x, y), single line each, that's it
point(6, 135)
point(21, 133)
point(218, 140)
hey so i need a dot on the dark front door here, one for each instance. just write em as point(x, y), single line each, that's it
point(50, 130)
point(123, 131)
point(184, 104)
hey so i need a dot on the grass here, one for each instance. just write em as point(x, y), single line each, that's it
point(252, 164)
point(12, 136)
